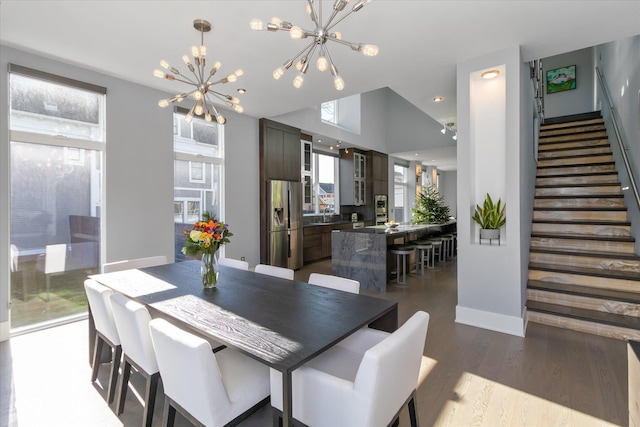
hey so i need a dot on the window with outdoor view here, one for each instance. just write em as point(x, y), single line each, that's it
point(57, 135)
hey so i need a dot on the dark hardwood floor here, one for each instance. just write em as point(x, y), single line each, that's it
point(469, 376)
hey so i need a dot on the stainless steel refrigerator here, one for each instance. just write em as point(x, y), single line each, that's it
point(284, 223)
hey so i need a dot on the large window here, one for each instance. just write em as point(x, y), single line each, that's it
point(320, 190)
point(400, 192)
point(329, 112)
point(57, 129)
point(198, 172)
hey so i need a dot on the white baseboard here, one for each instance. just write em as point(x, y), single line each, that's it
point(4, 331)
point(493, 321)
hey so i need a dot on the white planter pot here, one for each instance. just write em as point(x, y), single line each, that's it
point(488, 233)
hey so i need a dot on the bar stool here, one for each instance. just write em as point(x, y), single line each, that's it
point(448, 245)
point(438, 244)
point(401, 252)
point(423, 248)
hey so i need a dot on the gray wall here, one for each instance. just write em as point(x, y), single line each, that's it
point(574, 101)
point(448, 190)
point(138, 174)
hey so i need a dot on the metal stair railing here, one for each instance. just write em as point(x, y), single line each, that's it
point(618, 134)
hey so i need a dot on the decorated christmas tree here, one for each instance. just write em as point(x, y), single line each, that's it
point(430, 207)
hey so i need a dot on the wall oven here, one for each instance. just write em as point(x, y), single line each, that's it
point(380, 201)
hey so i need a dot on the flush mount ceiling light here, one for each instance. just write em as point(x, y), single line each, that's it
point(490, 74)
point(319, 38)
point(438, 99)
point(201, 81)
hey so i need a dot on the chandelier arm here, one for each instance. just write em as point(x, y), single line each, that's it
point(187, 81)
point(343, 42)
point(213, 107)
point(329, 26)
point(302, 51)
point(314, 15)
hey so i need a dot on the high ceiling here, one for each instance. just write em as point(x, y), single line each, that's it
point(420, 42)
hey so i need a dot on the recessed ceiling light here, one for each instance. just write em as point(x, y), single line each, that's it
point(415, 154)
point(438, 99)
point(242, 90)
point(490, 74)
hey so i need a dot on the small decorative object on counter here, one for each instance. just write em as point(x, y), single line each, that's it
point(205, 238)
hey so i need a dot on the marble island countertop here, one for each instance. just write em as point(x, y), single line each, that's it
point(402, 228)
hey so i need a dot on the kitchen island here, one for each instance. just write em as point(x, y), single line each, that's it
point(363, 255)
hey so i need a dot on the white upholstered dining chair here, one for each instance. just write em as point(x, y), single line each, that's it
point(364, 381)
point(106, 332)
point(235, 263)
point(128, 264)
point(334, 282)
point(132, 321)
point(272, 270)
point(211, 389)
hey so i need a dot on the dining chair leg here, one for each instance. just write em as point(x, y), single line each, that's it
point(169, 413)
point(97, 350)
point(113, 377)
point(124, 386)
point(150, 399)
point(413, 416)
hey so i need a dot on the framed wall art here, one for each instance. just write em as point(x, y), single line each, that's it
point(561, 79)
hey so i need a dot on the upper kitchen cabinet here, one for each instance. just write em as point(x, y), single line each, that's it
point(279, 151)
point(353, 178)
point(378, 174)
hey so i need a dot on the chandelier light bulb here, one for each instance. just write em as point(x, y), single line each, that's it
point(232, 77)
point(158, 73)
point(239, 72)
point(369, 50)
point(163, 103)
point(203, 51)
point(234, 100)
point(189, 117)
point(322, 64)
point(197, 95)
point(256, 24)
point(278, 72)
point(238, 108)
point(276, 21)
point(164, 64)
point(195, 52)
point(186, 59)
point(309, 10)
point(296, 33)
point(221, 120)
point(337, 35)
point(299, 65)
point(198, 110)
point(298, 81)
point(338, 83)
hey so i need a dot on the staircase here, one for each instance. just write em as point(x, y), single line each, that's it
point(583, 272)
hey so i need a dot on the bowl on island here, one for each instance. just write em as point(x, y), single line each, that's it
point(391, 224)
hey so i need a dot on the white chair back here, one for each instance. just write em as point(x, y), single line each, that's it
point(190, 372)
point(129, 264)
point(100, 304)
point(235, 263)
point(55, 258)
point(132, 321)
point(14, 258)
point(389, 371)
point(272, 270)
point(334, 282)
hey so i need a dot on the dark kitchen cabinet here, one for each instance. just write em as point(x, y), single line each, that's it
point(279, 151)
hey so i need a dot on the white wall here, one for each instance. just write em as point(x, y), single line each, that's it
point(490, 277)
point(138, 174)
point(574, 101)
point(448, 190)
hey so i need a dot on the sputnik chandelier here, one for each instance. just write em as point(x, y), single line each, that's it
point(203, 91)
point(319, 38)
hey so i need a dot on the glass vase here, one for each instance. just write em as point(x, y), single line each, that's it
point(209, 270)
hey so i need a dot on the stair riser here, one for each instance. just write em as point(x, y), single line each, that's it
point(582, 280)
point(580, 244)
point(568, 170)
point(543, 148)
point(595, 230)
point(578, 129)
point(576, 137)
point(544, 155)
point(580, 215)
point(587, 303)
point(602, 330)
point(594, 121)
point(599, 190)
point(568, 180)
point(576, 160)
point(591, 202)
point(602, 263)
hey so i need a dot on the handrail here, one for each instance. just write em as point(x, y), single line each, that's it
point(623, 149)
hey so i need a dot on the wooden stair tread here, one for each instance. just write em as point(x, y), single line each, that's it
point(603, 317)
point(586, 253)
point(577, 165)
point(584, 291)
point(574, 236)
point(574, 156)
point(590, 115)
point(581, 222)
point(580, 185)
point(573, 209)
point(542, 149)
point(582, 196)
point(583, 271)
point(560, 139)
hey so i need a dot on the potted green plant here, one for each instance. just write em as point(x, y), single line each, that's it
point(491, 217)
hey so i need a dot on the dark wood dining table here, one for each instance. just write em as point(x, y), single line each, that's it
point(279, 322)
